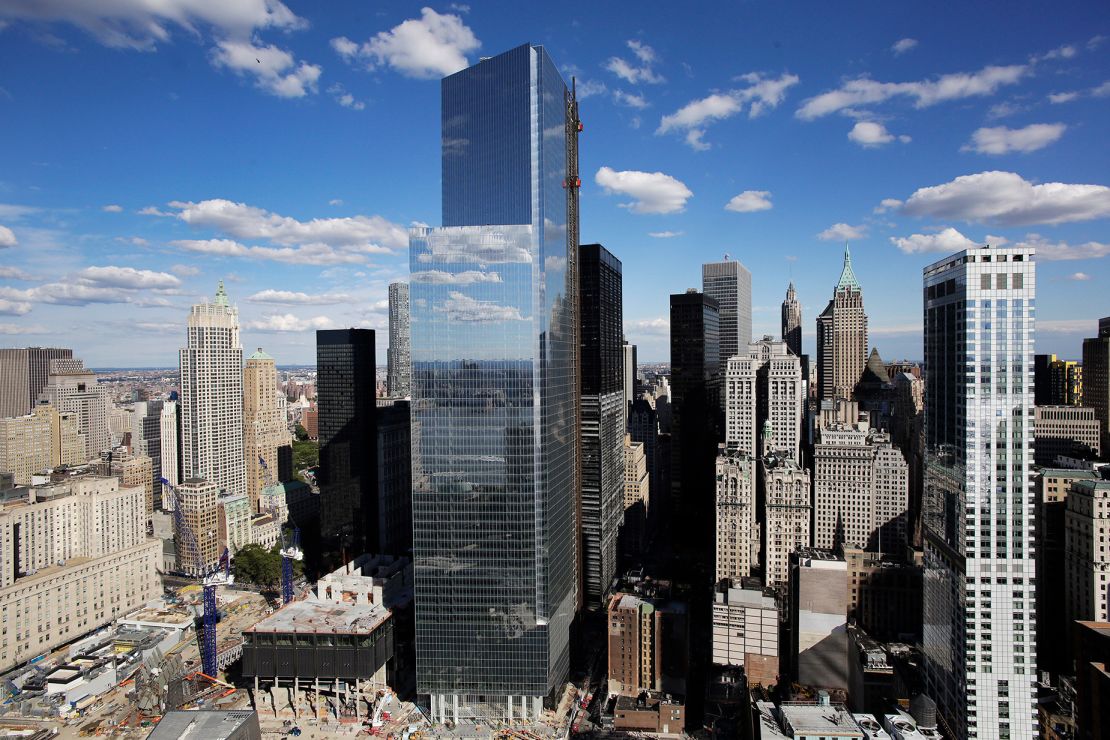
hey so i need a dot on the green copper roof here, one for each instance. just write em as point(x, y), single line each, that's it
point(259, 355)
point(221, 295)
point(847, 277)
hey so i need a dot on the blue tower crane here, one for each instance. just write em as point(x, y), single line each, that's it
point(208, 578)
point(289, 551)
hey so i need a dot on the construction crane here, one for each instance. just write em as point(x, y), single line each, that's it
point(289, 551)
point(208, 577)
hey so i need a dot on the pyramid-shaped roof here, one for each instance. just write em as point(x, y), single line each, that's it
point(847, 275)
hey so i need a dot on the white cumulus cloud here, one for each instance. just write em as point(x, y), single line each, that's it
point(901, 46)
point(367, 234)
point(433, 45)
point(887, 204)
point(1079, 276)
point(293, 298)
point(923, 93)
point(653, 192)
point(143, 24)
point(947, 240)
point(274, 69)
point(7, 237)
point(112, 208)
point(1008, 198)
point(750, 201)
point(761, 94)
point(128, 278)
point(654, 327)
point(871, 134)
point(1064, 97)
point(1060, 251)
point(665, 234)
point(1002, 140)
point(843, 232)
point(289, 323)
point(636, 71)
point(14, 308)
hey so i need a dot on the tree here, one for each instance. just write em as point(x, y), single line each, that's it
point(255, 564)
point(300, 432)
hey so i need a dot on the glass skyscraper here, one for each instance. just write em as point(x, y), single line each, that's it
point(494, 396)
point(979, 627)
point(603, 418)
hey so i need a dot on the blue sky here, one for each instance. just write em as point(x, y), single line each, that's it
point(149, 148)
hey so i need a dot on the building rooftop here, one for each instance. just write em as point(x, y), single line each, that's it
point(203, 725)
point(831, 720)
point(258, 354)
point(324, 617)
point(871, 727)
point(1068, 473)
point(768, 728)
point(761, 598)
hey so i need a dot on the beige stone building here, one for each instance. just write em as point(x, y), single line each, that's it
point(72, 389)
point(1071, 431)
point(136, 470)
point(234, 523)
point(39, 442)
point(264, 424)
point(860, 490)
point(788, 507)
point(1086, 559)
point(198, 501)
point(737, 544)
point(842, 338)
point(76, 557)
point(636, 477)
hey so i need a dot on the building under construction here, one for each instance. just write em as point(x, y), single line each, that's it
point(339, 645)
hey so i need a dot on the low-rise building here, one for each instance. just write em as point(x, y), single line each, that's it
point(650, 712)
point(1072, 431)
point(210, 724)
point(234, 522)
point(76, 558)
point(342, 638)
point(818, 619)
point(746, 633)
point(818, 721)
point(648, 643)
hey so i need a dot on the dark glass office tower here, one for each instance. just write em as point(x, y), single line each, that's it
point(493, 298)
point(603, 417)
point(696, 405)
point(345, 397)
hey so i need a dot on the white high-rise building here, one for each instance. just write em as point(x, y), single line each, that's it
point(212, 396)
point(980, 570)
point(170, 454)
point(765, 385)
point(730, 284)
point(737, 532)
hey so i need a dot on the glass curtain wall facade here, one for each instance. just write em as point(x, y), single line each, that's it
point(979, 631)
point(347, 422)
point(494, 397)
point(603, 418)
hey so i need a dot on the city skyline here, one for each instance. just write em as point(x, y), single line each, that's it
point(804, 136)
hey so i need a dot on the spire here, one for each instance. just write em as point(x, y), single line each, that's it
point(221, 295)
point(847, 276)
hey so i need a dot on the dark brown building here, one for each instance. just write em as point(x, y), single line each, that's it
point(1092, 680)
